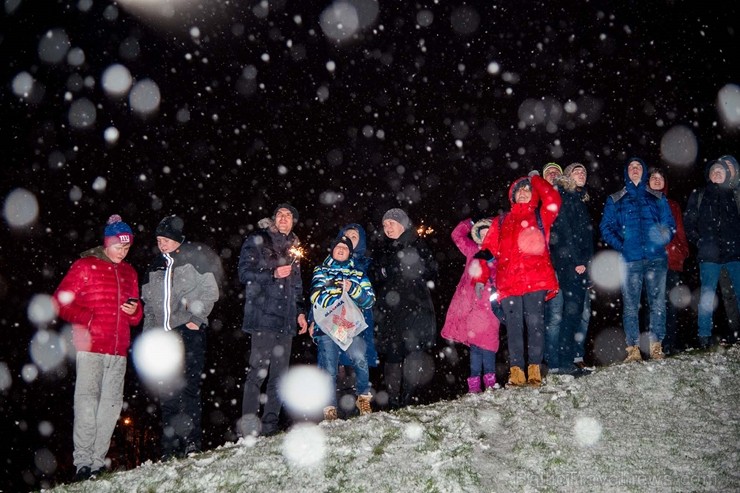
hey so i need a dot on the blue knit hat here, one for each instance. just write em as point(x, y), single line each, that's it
point(117, 231)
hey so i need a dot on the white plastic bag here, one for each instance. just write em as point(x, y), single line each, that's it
point(342, 320)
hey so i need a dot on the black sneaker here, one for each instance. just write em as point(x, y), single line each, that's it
point(97, 473)
point(83, 474)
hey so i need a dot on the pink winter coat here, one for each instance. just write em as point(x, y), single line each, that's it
point(470, 320)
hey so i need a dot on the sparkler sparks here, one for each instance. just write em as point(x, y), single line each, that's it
point(424, 230)
point(296, 252)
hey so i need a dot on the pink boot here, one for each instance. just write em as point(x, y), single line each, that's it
point(489, 380)
point(474, 385)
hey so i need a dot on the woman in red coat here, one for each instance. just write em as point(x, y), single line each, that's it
point(525, 277)
point(99, 297)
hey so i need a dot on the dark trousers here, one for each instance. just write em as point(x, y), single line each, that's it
point(181, 404)
point(269, 358)
point(529, 309)
point(574, 290)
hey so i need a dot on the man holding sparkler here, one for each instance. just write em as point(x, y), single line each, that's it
point(270, 270)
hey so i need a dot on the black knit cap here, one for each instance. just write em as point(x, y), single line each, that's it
point(286, 205)
point(346, 241)
point(171, 227)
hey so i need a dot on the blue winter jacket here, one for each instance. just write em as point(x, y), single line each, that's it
point(637, 221)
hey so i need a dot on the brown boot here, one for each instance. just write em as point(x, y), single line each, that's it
point(656, 350)
point(516, 377)
point(534, 378)
point(330, 413)
point(633, 354)
point(363, 404)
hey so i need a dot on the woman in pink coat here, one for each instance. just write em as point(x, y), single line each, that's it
point(470, 320)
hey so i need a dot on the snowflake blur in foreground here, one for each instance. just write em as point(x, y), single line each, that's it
point(158, 355)
point(21, 208)
point(587, 431)
point(304, 445)
point(607, 269)
point(306, 390)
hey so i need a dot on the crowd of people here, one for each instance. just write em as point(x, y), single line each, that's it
point(526, 269)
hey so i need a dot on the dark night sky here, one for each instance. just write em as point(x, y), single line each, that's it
point(410, 115)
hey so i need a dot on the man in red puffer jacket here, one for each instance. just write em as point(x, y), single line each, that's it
point(99, 297)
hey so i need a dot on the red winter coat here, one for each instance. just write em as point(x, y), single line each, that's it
point(90, 298)
point(678, 248)
point(517, 243)
point(470, 320)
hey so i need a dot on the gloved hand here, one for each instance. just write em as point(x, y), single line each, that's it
point(532, 173)
point(479, 289)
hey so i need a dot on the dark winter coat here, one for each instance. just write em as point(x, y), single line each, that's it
point(470, 320)
point(637, 221)
point(190, 293)
point(270, 304)
point(519, 243)
point(572, 234)
point(404, 312)
point(714, 224)
point(90, 298)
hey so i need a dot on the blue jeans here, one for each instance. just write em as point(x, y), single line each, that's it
point(582, 331)
point(653, 273)
point(709, 274)
point(481, 358)
point(329, 361)
point(553, 321)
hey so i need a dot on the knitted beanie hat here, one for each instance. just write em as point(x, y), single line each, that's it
point(117, 231)
point(398, 215)
point(171, 227)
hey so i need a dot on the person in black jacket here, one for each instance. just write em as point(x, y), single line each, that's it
point(404, 314)
point(273, 305)
point(571, 250)
point(712, 222)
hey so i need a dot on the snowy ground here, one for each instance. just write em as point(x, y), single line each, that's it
point(670, 425)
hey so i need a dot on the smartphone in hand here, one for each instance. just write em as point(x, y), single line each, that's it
point(132, 301)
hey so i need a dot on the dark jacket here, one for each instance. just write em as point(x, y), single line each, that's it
point(270, 304)
point(637, 221)
point(572, 234)
point(190, 294)
point(90, 298)
point(712, 221)
point(404, 312)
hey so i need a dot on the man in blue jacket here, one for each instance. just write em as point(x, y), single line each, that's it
point(638, 223)
point(273, 305)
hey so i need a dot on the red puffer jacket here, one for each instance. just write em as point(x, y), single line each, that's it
point(523, 262)
point(90, 298)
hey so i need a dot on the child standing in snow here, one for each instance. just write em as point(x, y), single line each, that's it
point(337, 274)
point(470, 319)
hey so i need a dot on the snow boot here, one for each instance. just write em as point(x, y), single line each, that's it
point(363, 404)
point(474, 385)
point(656, 351)
point(516, 377)
point(534, 379)
point(633, 354)
point(330, 413)
point(489, 380)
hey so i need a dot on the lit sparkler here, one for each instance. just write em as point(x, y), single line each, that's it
point(424, 230)
point(297, 253)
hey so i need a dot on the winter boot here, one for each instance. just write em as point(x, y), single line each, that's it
point(516, 377)
point(363, 404)
point(656, 351)
point(633, 354)
point(330, 413)
point(474, 385)
point(534, 378)
point(489, 380)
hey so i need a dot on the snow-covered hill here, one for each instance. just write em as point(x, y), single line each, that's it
point(671, 425)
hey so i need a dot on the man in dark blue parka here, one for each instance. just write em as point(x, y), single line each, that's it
point(273, 305)
point(638, 223)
